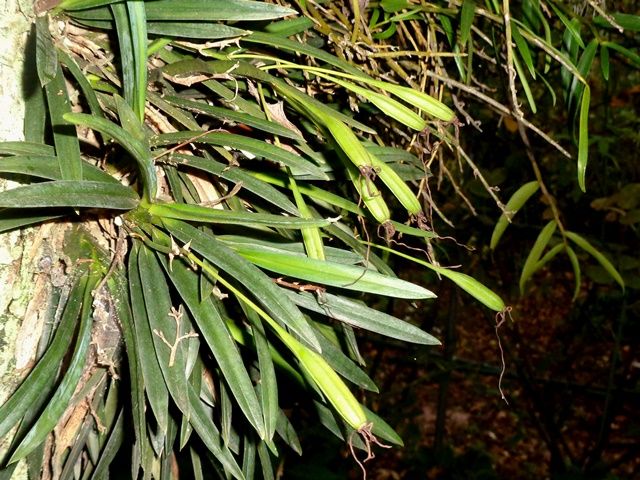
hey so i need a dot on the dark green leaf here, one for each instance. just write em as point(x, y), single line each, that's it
point(26, 148)
point(217, 337)
point(64, 393)
point(137, 149)
point(45, 166)
point(70, 193)
point(467, 12)
point(13, 218)
point(243, 143)
point(46, 57)
point(540, 244)
point(40, 380)
point(360, 316)
point(256, 282)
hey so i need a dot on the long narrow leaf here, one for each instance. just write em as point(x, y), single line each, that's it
point(595, 253)
point(70, 193)
point(256, 282)
point(540, 244)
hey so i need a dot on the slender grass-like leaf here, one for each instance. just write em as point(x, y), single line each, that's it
point(239, 175)
point(583, 138)
point(268, 381)
point(604, 62)
point(138, 32)
point(65, 139)
point(243, 143)
point(595, 253)
point(229, 115)
point(219, 340)
point(540, 244)
point(523, 50)
point(550, 255)
point(361, 316)
point(256, 282)
point(110, 449)
point(210, 435)
point(287, 433)
point(525, 84)
point(13, 218)
point(515, 203)
point(304, 48)
point(70, 193)
point(197, 213)
point(64, 393)
point(26, 148)
point(154, 383)
point(136, 148)
point(118, 287)
point(575, 264)
point(169, 328)
point(344, 365)
point(339, 275)
point(40, 380)
point(45, 166)
point(467, 12)
point(129, 120)
point(573, 29)
point(188, 10)
point(382, 429)
point(477, 290)
point(125, 44)
point(333, 254)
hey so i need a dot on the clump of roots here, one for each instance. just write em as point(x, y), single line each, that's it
point(369, 440)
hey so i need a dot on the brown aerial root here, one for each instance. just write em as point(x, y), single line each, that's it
point(369, 439)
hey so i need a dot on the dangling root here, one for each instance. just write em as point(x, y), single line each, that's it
point(369, 439)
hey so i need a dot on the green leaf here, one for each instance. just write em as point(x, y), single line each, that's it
point(219, 340)
point(382, 429)
point(540, 244)
point(170, 329)
point(26, 148)
point(604, 61)
point(238, 175)
point(65, 139)
point(137, 149)
point(228, 115)
point(467, 13)
point(40, 380)
point(575, 264)
point(197, 213)
point(188, 10)
point(343, 364)
point(201, 30)
point(13, 218)
point(339, 275)
point(62, 397)
point(595, 253)
point(583, 139)
point(268, 381)
point(515, 203)
point(523, 49)
point(45, 166)
point(138, 32)
point(627, 21)
point(210, 435)
point(550, 255)
point(255, 281)
point(243, 143)
point(46, 54)
point(70, 193)
point(360, 316)
point(154, 383)
point(572, 28)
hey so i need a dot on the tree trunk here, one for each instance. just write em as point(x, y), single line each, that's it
point(20, 304)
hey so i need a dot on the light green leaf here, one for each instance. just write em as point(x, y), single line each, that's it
point(339, 275)
point(595, 253)
point(515, 203)
point(575, 264)
point(540, 244)
point(583, 139)
point(26, 148)
point(70, 193)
